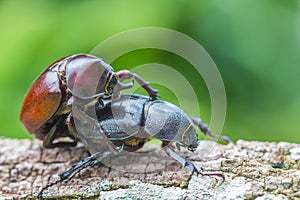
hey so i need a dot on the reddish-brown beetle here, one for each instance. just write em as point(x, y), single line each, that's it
point(48, 102)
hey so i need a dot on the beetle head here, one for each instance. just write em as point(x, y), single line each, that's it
point(87, 76)
point(190, 138)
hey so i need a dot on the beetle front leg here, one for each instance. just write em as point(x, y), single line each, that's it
point(125, 74)
point(188, 164)
point(204, 128)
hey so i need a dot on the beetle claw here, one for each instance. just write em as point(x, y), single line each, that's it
point(194, 169)
point(188, 164)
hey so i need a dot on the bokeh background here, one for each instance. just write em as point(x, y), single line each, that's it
point(254, 43)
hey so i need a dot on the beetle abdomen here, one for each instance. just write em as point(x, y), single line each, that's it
point(41, 103)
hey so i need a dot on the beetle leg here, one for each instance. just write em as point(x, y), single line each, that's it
point(125, 74)
point(188, 164)
point(204, 128)
point(90, 161)
point(54, 134)
point(119, 87)
point(75, 169)
point(93, 126)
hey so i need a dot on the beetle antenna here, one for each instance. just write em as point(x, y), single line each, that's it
point(204, 128)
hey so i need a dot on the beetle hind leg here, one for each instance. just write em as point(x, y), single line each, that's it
point(204, 128)
point(188, 164)
point(75, 169)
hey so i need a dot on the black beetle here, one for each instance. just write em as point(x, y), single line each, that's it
point(49, 100)
point(127, 124)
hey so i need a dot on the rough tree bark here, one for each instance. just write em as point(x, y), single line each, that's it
point(259, 170)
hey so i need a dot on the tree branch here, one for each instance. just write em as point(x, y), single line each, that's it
point(252, 169)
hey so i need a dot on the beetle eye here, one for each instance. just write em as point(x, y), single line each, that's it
point(111, 84)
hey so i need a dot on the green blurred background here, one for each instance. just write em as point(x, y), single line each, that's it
point(254, 43)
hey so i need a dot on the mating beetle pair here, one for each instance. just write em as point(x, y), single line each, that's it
point(79, 97)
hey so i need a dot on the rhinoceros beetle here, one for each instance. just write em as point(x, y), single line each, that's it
point(127, 124)
point(48, 102)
